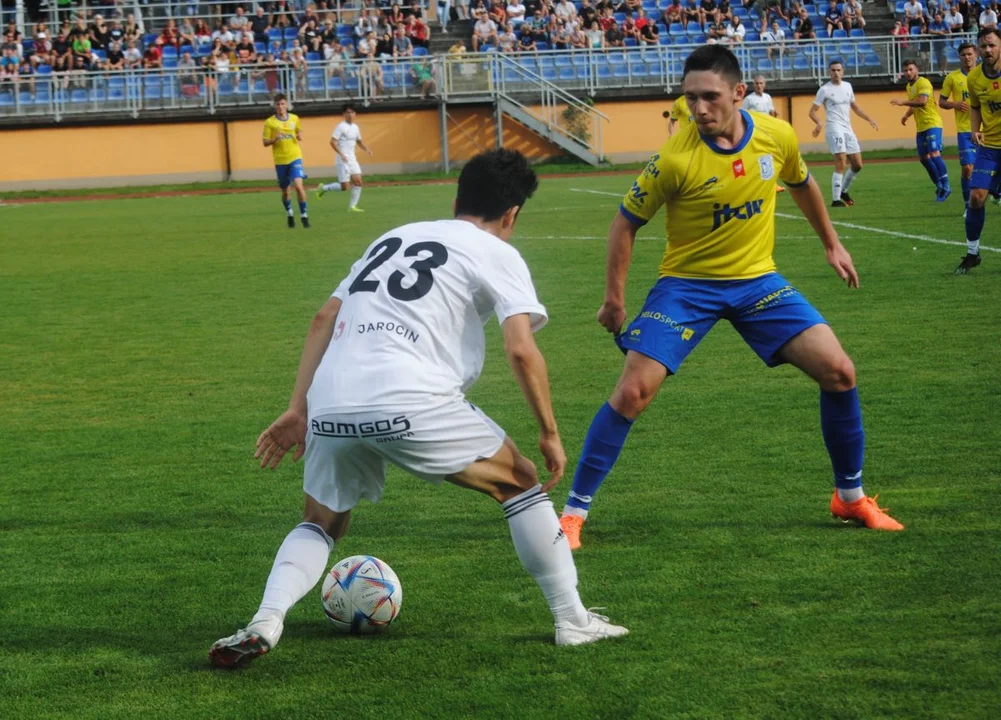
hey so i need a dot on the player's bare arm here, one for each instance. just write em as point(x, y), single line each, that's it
point(862, 114)
point(811, 203)
point(903, 120)
point(947, 104)
point(364, 147)
point(289, 430)
point(621, 237)
point(817, 125)
point(975, 122)
point(529, 367)
point(919, 102)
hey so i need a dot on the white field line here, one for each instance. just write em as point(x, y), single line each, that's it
point(840, 223)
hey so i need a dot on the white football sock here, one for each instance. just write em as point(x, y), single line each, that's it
point(545, 553)
point(331, 187)
point(973, 247)
point(836, 180)
point(299, 565)
point(355, 194)
point(849, 176)
point(579, 512)
point(850, 495)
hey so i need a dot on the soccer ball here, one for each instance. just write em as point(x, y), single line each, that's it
point(361, 594)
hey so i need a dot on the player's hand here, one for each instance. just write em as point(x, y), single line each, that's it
point(288, 431)
point(964, 106)
point(977, 137)
point(903, 120)
point(839, 259)
point(556, 459)
point(874, 125)
point(612, 317)
point(896, 102)
point(369, 151)
point(816, 130)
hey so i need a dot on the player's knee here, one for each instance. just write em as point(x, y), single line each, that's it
point(857, 166)
point(839, 375)
point(967, 171)
point(632, 396)
point(978, 198)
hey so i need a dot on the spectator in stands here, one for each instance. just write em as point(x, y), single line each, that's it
point(116, 58)
point(692, 14)
point(457, 48)
point(900, 33)
point(497, 12)
point(186, 33)
point(595, 37)
point(629, 6)
point(300, 68)
point(223, 35)
point(239, 23)
point(614, 37)
point(852, 15)
point(803, 27)
point(774, 39)
point(419, 32)
point(26, 76)
point(170, 36)
point(100, 34)
point(673, 13)
point(526, 39)
point(735, 30)
point(423, 78)
point(989, 17)
point(649, 34)
point(716, 32)
point(832, 17)
point(153, 57)
point(954, 19)
point(629, 29)
point(368, 45)
point(246, 53)
point(62, 52)
point(384, 45)
point(8, 67)
point(507, 41)
point(707, 8)
point(259, 25)
point(363, 26)
point(132, 30)
point(43, 46)
point(516, 13)
point(133, 57)
point(395, 15)
point(336, 58)
point(606, 19)
point(914, 14)
point(370, 72)
point(484, 32)
point(565, 10)
point(81, 48)
point(939, 31)
point(311, 36)
point(462, 9)
point(965, 8)
point(187, 75)
point(402, 47)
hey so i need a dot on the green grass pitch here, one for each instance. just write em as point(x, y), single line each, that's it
point(146, 343)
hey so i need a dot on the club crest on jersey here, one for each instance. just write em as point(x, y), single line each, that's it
point(738, 168)
point(767, 167)
point(996, 85)
point(340, 330)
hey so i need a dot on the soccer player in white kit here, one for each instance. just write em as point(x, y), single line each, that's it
point(343, 140)
point(838, 98)
point(382, 379)
point(759, 100)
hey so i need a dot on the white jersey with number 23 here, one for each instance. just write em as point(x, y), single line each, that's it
point(410, 330)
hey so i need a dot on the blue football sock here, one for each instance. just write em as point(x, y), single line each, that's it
point(602, 446)
point(287, 204)
point(965, 181)
point(841, 425)
point(930, 167)
point(302, 208)
point(974, 223)
point(941, 170)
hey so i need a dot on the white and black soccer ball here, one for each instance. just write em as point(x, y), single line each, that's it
point(361, 594)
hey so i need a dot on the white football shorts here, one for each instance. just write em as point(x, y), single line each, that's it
point(842, 141)
point(346, 169)
point(346, 453)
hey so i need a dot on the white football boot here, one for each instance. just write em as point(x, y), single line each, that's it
point(598, 628)
point(252, 641)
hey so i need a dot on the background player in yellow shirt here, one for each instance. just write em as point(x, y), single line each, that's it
point(929, 124)
point(716, 181)
point(680, 117)
point(984, 85)
point(955, 96)
point(282, 133)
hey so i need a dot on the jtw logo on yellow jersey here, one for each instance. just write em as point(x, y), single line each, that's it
point(725, 213)
point(994, 106)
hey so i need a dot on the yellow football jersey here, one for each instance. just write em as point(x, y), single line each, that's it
point(681, 113)
point(954, 89)
point(287, 149)
point(720, 204)
point(924, 117)
point(985, 93)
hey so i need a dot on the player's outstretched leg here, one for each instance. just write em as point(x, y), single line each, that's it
point(606, 436)
point(942, 172)
point(287, 204)
point(355, 196)
point(300, 192)
point(510, 479)
point(324, 188)
point(299, 565)
point(817, 352)
point(976, 214)
point(850, 175)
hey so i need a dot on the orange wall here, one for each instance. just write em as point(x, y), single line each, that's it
point(122, 151)
point(401, 140)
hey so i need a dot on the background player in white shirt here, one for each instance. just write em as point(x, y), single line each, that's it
point(343, 140)
point(381, 380)
point(838, 98)
point(759, 100)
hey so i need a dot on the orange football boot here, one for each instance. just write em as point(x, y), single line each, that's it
point(571, 525)
point(864, 511)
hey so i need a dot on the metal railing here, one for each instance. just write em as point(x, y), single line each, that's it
point(479, 76)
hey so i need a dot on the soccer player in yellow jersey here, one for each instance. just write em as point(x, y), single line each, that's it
point(955, 96)
point(984, 85)
point(716, 181)
point(680, 116)
point(929, 124)
point(282, 133)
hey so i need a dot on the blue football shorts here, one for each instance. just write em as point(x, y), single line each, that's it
point(967, 150)
point(986, 169)
point(929, 141)
point(288, 173)
point(767, 311)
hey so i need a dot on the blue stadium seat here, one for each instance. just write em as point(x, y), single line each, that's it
point(696, 39)
point(335, 83)
point(916, 30)
point(801, 62)
point(78, 96)
point(7, 99)
point(487, 47)
point(345, 30)
point(784, 64)
point(630, 42)
point(169, 51)
point(224, 89)
point(274, 35)
point(619, 17)
point(765, 65)
point(549, 73)
point(43, 70)
point(871, 60)
point(149, 39)
point(260, 47)
point(317, 85)
point(116, 95)
point(562, 61)
point(758, 52)
point(616, 58)
point(314, 57)
point(664, 40)
point(857, 33)
point(567, 73)
point(541, 46)
point(752, 37)
point(290, 33)
point(260, 86)
point(899, 9)
point(420, 51)
point(169, 63)
point(604, 71)
point(100, 54)
point(677, 29)
point(839, 34)
point(661, 29)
